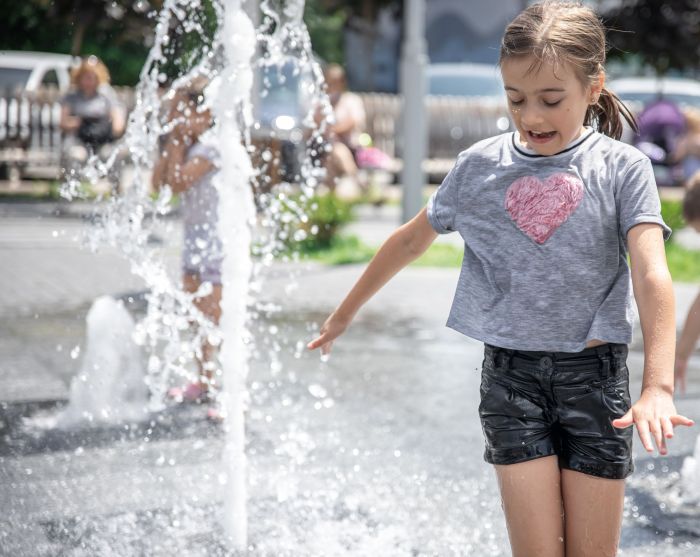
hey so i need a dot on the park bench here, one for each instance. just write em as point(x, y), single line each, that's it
point(30, 137)
point(454, 124)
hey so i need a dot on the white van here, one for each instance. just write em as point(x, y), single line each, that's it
point(29, 71)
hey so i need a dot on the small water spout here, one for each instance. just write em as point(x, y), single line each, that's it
point(690, 476)
point(109, 386)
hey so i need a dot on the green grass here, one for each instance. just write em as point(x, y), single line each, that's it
point(345, 250)
point(683, 263)
point(440, 255)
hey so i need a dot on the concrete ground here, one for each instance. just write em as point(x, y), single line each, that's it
point(376, 452)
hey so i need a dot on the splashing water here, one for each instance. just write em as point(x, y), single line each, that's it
point(225, 55)
point(690, 477)
point(109, 386)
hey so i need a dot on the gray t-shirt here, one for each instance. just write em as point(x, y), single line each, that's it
point(202, 251)
point(99, 106)
point(545, 250)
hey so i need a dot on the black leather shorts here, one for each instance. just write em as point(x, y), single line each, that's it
point(536, 404)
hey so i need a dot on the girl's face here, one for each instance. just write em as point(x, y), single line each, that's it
point(548, 106)
point(87, 81)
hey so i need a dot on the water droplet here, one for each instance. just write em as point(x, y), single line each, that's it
point(317, 391)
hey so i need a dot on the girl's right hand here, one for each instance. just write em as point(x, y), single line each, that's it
point(332, 329)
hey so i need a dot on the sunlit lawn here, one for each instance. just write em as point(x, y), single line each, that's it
point(683, 263)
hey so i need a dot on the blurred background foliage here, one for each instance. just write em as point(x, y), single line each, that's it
point(665, 34)
point(120, 32)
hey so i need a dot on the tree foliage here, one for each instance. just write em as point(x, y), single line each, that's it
point(120, 31)
point(115, 30)
point(665, 34)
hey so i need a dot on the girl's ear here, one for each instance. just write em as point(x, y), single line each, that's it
point(596, 87)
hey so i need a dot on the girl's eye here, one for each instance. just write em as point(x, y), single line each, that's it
point(515, 103)
point(555, 103)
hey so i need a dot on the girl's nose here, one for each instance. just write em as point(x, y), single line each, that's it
point(530, 116)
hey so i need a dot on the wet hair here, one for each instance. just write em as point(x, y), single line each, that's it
point(568, 33)
point(691, 201)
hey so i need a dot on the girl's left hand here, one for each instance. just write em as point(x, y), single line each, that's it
point(653, 414)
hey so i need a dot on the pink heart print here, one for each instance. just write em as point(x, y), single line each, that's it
point(539, 207)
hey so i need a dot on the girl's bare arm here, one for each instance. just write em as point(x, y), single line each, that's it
point(68, 122)
point(654, 413)
point(687, 342)
point(174, 170)
point(405, 245)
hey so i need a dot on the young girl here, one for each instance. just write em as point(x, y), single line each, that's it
point(188, 164)
point(548, 214)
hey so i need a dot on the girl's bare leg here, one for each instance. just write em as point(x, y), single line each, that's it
point(340, 163)
point(210, 306)
point(532, 501)
point(593, 514)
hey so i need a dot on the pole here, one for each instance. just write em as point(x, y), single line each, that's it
point(413, 117)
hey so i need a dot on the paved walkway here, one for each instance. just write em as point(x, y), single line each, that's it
point(375, 453)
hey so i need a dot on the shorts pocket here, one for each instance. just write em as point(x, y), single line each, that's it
point(494, 391)
point(616, 393)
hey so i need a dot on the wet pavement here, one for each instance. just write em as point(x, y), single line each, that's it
point(376, 452)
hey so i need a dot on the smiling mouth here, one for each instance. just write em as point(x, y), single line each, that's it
point(540, 137)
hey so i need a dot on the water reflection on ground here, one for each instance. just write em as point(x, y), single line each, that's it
point(376, 452)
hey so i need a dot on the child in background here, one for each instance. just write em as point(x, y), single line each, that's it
point(687, 152)
point(349, 123)
point(691, 329)
point(188, 164)
point(548, 214)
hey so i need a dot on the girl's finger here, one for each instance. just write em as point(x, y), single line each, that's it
point(321, 339)
point(644, 437)
point(677, 419)
point(655, 429)
point(625, 421)
point(314, 344)
point(667, 427)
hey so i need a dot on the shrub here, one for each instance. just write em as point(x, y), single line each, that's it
point(325, 215)
point(672, 213)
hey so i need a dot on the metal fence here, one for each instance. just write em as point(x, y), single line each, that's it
point(30, 136)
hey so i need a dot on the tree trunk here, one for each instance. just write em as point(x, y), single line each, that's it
point(78, 34)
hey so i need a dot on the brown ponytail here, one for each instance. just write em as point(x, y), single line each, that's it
point(606, 115)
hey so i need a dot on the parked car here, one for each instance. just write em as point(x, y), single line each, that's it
point(28, 71)
point(281, 103)
point(479, 81)
point(639, 91)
